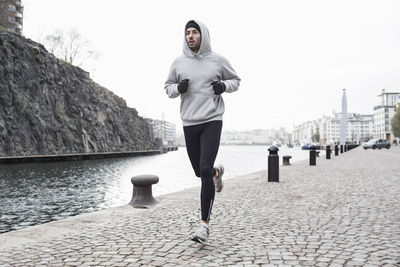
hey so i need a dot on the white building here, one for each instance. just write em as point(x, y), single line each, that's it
point(254, 137)
point(236, 137)
point(383, 113)
point(360, 128)
point(164, 130)
point(302, 134)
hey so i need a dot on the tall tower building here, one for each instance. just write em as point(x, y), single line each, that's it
point(11, 15)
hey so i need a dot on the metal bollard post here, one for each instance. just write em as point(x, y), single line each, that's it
point(142, 195)
point(313, 154)
point(336, 150)
point(286, 160)
point(341, 149)
point(328, 152)
point(273, 164)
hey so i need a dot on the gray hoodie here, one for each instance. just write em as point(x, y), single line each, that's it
point(199, 104)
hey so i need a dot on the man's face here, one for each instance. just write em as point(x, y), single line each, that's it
point(193, 39)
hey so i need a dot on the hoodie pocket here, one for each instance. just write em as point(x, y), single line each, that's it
point(197, 107)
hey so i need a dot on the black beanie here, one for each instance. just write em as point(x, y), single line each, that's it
point(192, 24)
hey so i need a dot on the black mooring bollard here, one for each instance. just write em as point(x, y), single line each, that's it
point(286, 160)
point(341, 149)
point(142, 195)
point(346, 148)
point(328, 152)
point(273, 164)
point(336, 150)
point(313, 154)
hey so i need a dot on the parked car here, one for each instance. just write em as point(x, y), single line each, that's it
point(377, 143)
point(317, 146)
point(305, 147)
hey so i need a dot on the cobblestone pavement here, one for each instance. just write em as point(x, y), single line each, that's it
point(342, 212)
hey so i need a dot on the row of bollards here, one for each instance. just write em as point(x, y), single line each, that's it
point(273, 158)
point(142, 196)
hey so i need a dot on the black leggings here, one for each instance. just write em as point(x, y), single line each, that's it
point(202, 143)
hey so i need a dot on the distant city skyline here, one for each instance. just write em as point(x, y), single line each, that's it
point(294, 57)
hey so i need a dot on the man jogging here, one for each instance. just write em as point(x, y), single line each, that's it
point(199, 77)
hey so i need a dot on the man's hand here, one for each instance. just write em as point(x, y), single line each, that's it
point(218, 87)
point(183, 86)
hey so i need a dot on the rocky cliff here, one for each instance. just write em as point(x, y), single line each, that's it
point(51, 107)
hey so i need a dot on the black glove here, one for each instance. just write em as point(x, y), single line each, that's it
point(183, 86)
point(219, 87)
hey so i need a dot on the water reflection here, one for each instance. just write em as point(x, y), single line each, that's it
point(40, 192)
point(36, 193)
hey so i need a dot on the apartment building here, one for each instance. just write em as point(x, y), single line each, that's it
point(360, 128)
point(11, 15)
point(384, 112)
point(302, 134)
point(164, 130)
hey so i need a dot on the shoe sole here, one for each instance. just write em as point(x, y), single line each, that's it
point(220, 174)
point(198, 240)
point(222, 186)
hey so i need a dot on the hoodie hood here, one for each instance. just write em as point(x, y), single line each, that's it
point(205, 46)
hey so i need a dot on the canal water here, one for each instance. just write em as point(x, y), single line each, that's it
point(36, 193)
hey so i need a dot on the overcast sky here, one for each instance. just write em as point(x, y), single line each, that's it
point(294, 57)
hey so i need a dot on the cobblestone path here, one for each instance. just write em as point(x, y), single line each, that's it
point(342, 212)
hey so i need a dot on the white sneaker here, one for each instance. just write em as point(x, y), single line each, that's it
point(218, 180)
point(201, 234)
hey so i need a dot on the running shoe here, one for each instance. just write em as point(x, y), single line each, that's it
point(201, 234)
point(218, 180)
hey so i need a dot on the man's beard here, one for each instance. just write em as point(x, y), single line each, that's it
point(195, 48)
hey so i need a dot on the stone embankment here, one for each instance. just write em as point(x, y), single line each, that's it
point(341, 212)
point(50, 107)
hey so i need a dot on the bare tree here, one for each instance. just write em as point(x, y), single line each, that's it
point(71, 47)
